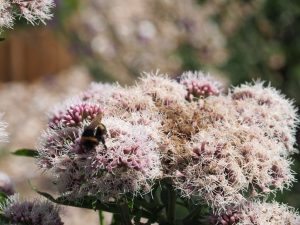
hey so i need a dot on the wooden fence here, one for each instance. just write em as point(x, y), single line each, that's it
point(28, 54)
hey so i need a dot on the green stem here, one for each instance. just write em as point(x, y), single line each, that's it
point(170, 208)
point(101, 217)
point(195, 212)
point(116, 219)
point(124, 212)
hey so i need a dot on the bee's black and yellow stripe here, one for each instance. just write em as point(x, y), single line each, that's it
point(94, 133)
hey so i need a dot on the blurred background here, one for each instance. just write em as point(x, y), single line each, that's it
point(116, 40)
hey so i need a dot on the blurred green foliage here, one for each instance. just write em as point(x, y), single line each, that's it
point(64, 10)
point(267, 46)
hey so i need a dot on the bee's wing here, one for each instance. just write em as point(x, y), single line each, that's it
point(96, 121)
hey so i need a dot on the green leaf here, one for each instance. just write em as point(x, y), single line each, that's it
point(47, 195)
point(26, 152)
point(3, 220)
point(3, 197)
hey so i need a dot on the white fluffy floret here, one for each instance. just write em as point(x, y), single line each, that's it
point(257, 213)
point(99, 92)
point(268, 108)
point(36, 11)
point(262, 213)
point(162, 89)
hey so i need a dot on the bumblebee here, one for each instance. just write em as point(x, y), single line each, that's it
point(94, 133)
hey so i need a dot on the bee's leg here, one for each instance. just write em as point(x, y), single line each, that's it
point(100, 135)
point(102, 139)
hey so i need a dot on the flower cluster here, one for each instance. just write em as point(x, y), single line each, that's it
point(34, 11)
point(29, 212)
point(75, 114)
point(244, 145)
point(149, 34)
point(128, 161)
point(269, 109)
point(258, 213)
point(223, 149)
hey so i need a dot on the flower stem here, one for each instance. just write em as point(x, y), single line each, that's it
point(124, 211)
point(194, 213)
point(101, 217)
point(170, 208)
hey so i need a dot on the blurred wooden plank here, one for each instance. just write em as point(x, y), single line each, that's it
point(16, 59)
point(4, 60)
point(26, 55)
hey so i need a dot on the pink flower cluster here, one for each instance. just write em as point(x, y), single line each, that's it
point(225, 149)
point(75, 114)
point(130, 162)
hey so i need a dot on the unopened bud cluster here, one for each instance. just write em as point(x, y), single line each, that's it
point(199, 85)
point(214, 146)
